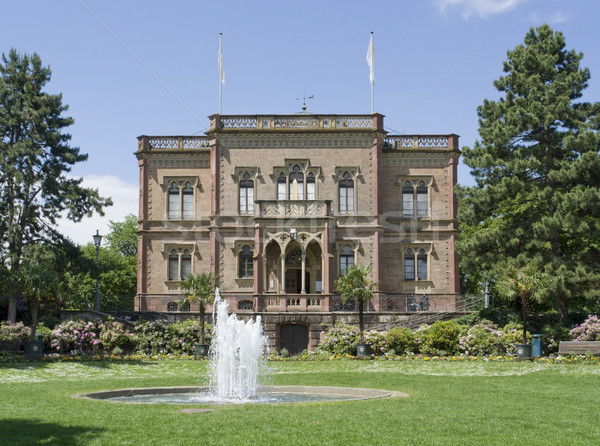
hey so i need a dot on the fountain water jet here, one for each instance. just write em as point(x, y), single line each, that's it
point(236, 354)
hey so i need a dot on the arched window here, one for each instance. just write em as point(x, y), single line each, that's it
point(188, 202)
point(246, 195)
point(311, 192)
point(281, 187)
point(408, 200)
point(296, 186)
point(172, 306)
point(174, 208)
point(346, 194)
point(346, 259)
point(246, 264)
point(180, 201)
point(173, 265)
point(409, 265)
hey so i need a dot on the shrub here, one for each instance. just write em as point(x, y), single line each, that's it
point(169, 338)
point(589, 330)
point(284, 353)
point(341, 339)
point(376, 340)
point(401, 340)
point(14, 332)
point(481, 339)
point(513, 334)
point(113, 334)
point(79, 336)
point(440, 338)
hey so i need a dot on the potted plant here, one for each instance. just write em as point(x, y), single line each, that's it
point(355, 284)
point(527, 285)
point(200, 288)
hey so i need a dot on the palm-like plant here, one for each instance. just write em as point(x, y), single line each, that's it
point(525, 284)
point(355, 284)
point(200, 288)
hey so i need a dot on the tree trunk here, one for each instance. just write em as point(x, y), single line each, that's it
point(361, 326)
point(35, 306)
point(202, 312)
point(12, 309)
point(524, 307)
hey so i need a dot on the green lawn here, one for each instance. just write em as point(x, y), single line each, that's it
point(479, 403)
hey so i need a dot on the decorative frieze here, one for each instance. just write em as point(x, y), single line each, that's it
point(295, 141)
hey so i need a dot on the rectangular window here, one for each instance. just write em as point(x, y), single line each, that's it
point(173, 267)
point(422, 267)
point(409, 267)
point(188, 206)
point(310, 191)
point(281, 190)
point(173, 206)
point(407, 204)
point(186, 267)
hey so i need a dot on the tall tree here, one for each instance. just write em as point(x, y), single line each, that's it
point(201, 289)
point(536, 201)
point(123, 235)
point(356, 285)
point(35, 159)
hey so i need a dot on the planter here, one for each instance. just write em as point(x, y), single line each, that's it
point(200, 351)
point(363, 350)
point(523, 351)
point(11, 346)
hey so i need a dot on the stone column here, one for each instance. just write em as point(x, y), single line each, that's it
point(303, 280)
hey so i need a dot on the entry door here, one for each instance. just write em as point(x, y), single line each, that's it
point(293, 337)
point(292, 285)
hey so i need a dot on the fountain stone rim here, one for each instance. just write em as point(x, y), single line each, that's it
point(352, 393)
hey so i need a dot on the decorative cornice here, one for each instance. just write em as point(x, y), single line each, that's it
point(293, 140)
point(417, 159)
point(179, 160)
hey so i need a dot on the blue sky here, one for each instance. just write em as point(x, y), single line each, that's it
point(136, 67)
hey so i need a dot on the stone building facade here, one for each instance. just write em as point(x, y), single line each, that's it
point(281, 205)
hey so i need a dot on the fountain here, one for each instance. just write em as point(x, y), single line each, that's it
point(236, 359)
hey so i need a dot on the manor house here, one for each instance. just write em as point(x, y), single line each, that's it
point(281, 205)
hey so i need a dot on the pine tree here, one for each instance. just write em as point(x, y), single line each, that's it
point(35, 157)
point(536, 202)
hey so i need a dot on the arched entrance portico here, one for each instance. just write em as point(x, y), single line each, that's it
point(293, 265)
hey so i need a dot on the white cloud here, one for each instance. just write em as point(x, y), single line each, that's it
point(482, 8)
point(125, 201)
point(552, 19)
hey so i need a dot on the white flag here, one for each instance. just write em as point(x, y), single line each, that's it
point(371, 61)
point(221, 69)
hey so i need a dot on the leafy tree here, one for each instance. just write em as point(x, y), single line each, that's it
point(355, 284)
point(35, 158)
point(123, 236)
point(200, 288)
point(118, 269)
point(537, 169)
point(525, 284)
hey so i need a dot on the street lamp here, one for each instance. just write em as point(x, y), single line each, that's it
point(97, 241)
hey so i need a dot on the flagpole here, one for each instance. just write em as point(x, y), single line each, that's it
point(221, 73)
point(371, 62)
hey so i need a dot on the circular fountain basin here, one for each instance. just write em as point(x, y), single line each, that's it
point(265, 395)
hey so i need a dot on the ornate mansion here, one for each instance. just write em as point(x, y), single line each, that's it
point(281, 205)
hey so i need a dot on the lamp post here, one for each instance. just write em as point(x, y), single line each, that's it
point(97, 241)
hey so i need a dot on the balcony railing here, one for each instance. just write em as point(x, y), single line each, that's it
point(293, 208)
point(299, 121)
point(399, 142)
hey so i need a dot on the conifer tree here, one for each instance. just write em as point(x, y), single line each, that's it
point(536, 202)
point(35, 158)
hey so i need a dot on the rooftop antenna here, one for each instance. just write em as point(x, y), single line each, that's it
point(304, 98)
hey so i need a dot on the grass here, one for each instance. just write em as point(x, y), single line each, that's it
point(465, 402)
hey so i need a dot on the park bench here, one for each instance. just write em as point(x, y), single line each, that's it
point(11, 346)
point(578, 347)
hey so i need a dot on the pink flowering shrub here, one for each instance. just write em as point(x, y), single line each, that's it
point(113, 334)
point(481, 339)
point(341, 339)
point(589, 330)
point(14, 332)
point(78, 336)
point(376, 340)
